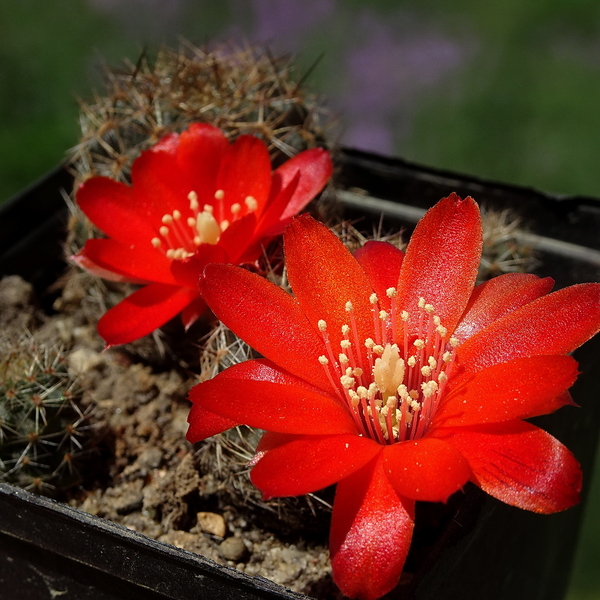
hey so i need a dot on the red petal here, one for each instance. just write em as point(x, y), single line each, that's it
point(270, 223)
point(371, 531)
point(520, 465)
point(519, 389)
point(204, 424)
point(324, 276)
point(111, 206)
point(498, 297)
point(426, 469)
point(310, 463)
point(192, 312)
point(241, 241)
point(200, 150)
point(381, 262)
point(554, 324)
point(159, 186)
point(142, 312)
point(147, 265)
point(84, 261)
point(187, 272)
point(315, 168)
point(441, 260)
point(283, 407)
point(267, 318)
point(244, 171)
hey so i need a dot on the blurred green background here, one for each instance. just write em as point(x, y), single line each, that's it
point(507, 90)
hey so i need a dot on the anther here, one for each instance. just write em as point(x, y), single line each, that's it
point(323, 360)
point(167, 219)
point(421, 303)
point(373, 298)
point(420, 344)
point(251, 203)
point(404, 315)
point(176, 215)
point(348, 306)
point(383, 315)
point(390, 292)
point(235, 209)
point(155, 242)
point(322, 325)
point(219, 195)
point(164, 231)
point(347, 382)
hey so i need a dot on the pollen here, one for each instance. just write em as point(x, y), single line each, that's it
point(251, 203)
point(391, 383)
point(193, 198)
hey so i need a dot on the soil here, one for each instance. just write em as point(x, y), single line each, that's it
point(135, 466)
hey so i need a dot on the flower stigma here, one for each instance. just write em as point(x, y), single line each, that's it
point(395, 389)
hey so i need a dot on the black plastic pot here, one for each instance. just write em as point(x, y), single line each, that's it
point(483, 549)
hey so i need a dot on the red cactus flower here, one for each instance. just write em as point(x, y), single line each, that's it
point(392, 376)
point(194, 199)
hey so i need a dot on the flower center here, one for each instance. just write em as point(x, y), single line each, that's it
point(180, 236)
point(394, 396)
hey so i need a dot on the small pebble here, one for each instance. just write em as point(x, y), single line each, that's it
point(233, 549)
point(212, 523)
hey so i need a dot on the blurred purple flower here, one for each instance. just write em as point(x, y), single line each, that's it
point(286, 21)
point(387, 69)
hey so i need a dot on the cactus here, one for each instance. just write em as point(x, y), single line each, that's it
point(240, 90)
point(503, 248)
point(43, 430)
